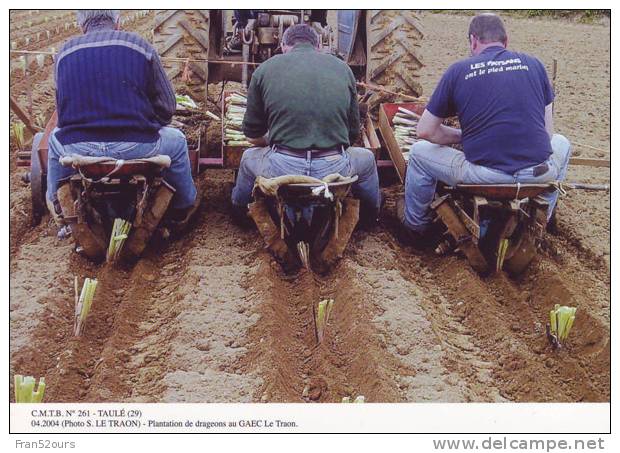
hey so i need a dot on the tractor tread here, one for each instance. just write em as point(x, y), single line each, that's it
point(184, 34)
point(393, 50)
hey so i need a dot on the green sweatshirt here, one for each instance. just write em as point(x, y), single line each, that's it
point(305, 99)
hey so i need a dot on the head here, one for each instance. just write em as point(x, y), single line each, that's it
point(486, 30)
point(95, 18)
point(298, 34)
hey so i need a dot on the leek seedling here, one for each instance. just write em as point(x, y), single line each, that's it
point(322, 316)
point(501, 253)
point(303, 250)
point(17, 129)
point(561, 320)
point(83, 303)
point(120, 231)
point(24, 389)
point(186, 101)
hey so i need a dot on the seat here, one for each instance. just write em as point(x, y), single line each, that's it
point(307, 191)
point(100, 167)
point(503, 191)
point(299, 187)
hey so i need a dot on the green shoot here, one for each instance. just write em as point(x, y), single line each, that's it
point(561, 321)
point(120, 232)
point(24, 389)
point(501, 253)
point(17, 129)
point(185, 101)
point(83, 303)
point(321, 317)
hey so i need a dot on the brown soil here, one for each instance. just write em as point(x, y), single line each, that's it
point(211, 318)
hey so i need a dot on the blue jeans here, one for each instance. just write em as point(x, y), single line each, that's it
point(429, 163)
point(171, 143)
point(268, 163)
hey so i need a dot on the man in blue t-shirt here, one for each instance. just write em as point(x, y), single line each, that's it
point(504, 103)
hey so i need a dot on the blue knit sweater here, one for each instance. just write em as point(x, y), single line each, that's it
point(111, 87)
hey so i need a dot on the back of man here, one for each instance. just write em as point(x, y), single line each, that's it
point(308, 101)
point(104, 88)
point(500, 98)
point(504, 103)
point(303, 116)
point(114, 100)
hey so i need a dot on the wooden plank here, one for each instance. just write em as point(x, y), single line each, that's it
point(390, 141)
point(23, 116)
point(589, 162)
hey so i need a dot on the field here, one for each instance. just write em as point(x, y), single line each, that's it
point(211, 318)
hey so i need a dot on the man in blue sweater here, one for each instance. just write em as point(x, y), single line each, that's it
point(114, 99)
point(504, 103)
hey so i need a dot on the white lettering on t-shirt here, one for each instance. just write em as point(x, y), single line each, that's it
point(495, 66)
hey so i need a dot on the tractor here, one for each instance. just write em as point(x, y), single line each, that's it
point(380, 46)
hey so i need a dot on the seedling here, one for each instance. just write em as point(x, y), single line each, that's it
point(185, 101)
point(83, 303)
point(17, 129)
point(322, 317)
point(501, 253)
point(24, 389)
point(561, 320)
point(120, 231)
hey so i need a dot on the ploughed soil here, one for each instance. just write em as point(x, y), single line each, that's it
point(210, 317)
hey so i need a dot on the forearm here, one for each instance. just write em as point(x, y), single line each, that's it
point(444, 135)
point(549, 119)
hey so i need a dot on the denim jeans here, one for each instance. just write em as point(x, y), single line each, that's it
point(268, 163)
point(171, 143)
point(429, 163)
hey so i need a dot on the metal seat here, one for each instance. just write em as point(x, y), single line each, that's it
point(102, 167)
point(503, 191)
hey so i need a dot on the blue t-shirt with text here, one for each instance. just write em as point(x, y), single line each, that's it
point(499, 97)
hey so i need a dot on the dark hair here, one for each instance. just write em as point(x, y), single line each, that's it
point(296, 34)
point(488, 27)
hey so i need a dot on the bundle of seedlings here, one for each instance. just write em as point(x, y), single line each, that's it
point(405, 124)
point(83, 303)
point(24, 389)
point(235, 106)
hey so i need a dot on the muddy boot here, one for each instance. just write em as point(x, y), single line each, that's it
point(420, 241)
point(177, 220)
point(241, 217)
point(369, 216)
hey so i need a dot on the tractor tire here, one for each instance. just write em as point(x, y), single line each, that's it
point(393, 52)
point(184, 34)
